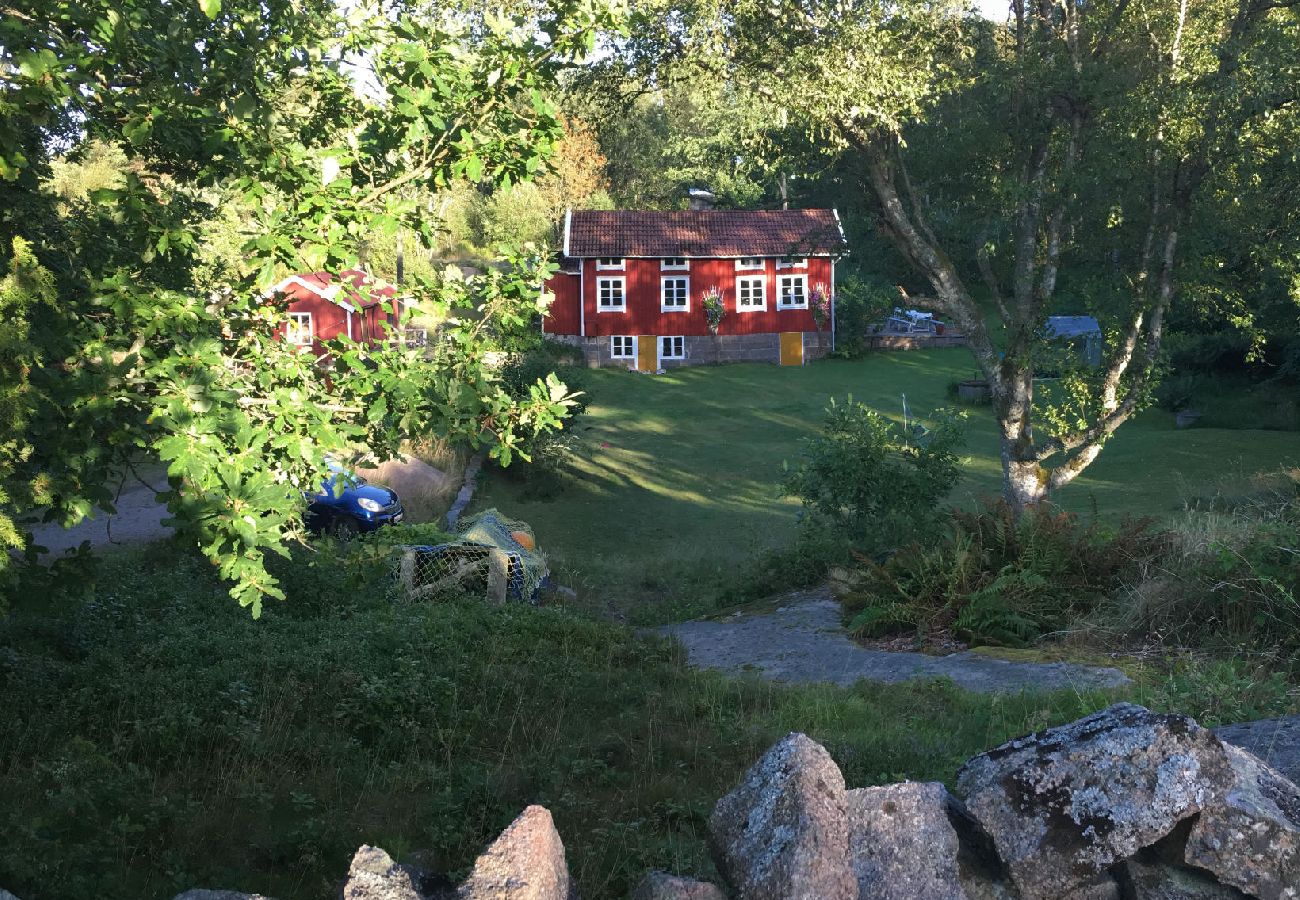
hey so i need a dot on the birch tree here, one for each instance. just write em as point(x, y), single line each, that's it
point(1113, 117)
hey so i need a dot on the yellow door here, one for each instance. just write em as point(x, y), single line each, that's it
point(647, 353)
point(792, 348)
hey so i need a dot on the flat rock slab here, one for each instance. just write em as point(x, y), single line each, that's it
point(1276, 741)
point(804, 641)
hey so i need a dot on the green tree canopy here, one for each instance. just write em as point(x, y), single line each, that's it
point(320, 122)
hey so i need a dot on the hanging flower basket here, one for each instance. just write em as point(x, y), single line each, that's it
point(714, 309)
point(819, 301)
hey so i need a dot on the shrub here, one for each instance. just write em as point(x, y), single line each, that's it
point(544, 473)
point(1218, 351)
point(876, 481)
point(994, 579)
point(1231, 576)
point(859, 305)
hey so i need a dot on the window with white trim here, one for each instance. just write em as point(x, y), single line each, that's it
point(622, 346)
point(749, 262)
point(792, 263)
point(610, 262)
point(751, 293)
point(674, 262)
point(611, 294)
point(300, 330)
point(792, 292)
point(674, 294)
point(672, 347)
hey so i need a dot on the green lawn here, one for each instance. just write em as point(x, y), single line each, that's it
point(676, 481)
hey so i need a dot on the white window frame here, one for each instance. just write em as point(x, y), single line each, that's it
point(613, 345)
point(663, 292)
point(780, 291)
point(672, 337)
point(611, 264)
point(792, 263)
point(621, 281)
point(742, 280)
point(748, 263)
point(293, 330)
point(674, 264)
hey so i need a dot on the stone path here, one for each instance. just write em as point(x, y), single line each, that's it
point(804, 641)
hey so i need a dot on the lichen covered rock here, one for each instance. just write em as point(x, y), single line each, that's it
point(525, 863)
point(662, 886)
point(782, 834)
point(903, 842)
point(1146, 879)
point(374, 875)
point(1063, 805)
point(1249, 834)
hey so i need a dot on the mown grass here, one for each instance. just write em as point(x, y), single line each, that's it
point(156, 738)
point(674, 487)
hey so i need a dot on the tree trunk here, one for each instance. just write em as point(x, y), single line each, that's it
point(1024, 481)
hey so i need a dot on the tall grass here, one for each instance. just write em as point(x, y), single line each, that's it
point(1230, 576)
point(426, 476)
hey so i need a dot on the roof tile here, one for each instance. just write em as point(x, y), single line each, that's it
point(704, 233)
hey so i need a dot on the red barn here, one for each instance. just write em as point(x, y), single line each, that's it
point(323, 306)
point(633, 286)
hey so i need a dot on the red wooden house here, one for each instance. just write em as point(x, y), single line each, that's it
point(632, 286)
point(323, 306)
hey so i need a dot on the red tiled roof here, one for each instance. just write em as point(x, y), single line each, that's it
point(322, 282)
point(704, 233)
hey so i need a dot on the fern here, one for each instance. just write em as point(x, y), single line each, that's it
point(887, 618)
point(988, 618)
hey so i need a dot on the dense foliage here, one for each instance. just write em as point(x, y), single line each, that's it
point(319, 124)
point(879, 482)
point(1223, 577)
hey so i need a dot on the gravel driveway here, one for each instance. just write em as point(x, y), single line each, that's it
point(138, 519)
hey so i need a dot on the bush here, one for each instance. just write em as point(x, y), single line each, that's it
point(994, 579)
point(544, 474)
point(859, 305)
point(804, 563)
point(876, 481)
point(1217, 351)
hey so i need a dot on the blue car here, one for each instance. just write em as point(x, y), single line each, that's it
point(358, 508)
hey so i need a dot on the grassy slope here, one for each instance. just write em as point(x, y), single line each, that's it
point(677, 478)
point(156, 738)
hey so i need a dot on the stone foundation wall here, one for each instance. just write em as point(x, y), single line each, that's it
point(704, 349)
point(912, 341)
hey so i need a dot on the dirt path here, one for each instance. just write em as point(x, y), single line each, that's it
point(804, 641)
point(138, 518)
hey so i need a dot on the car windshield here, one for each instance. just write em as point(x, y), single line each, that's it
point(347, 480)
